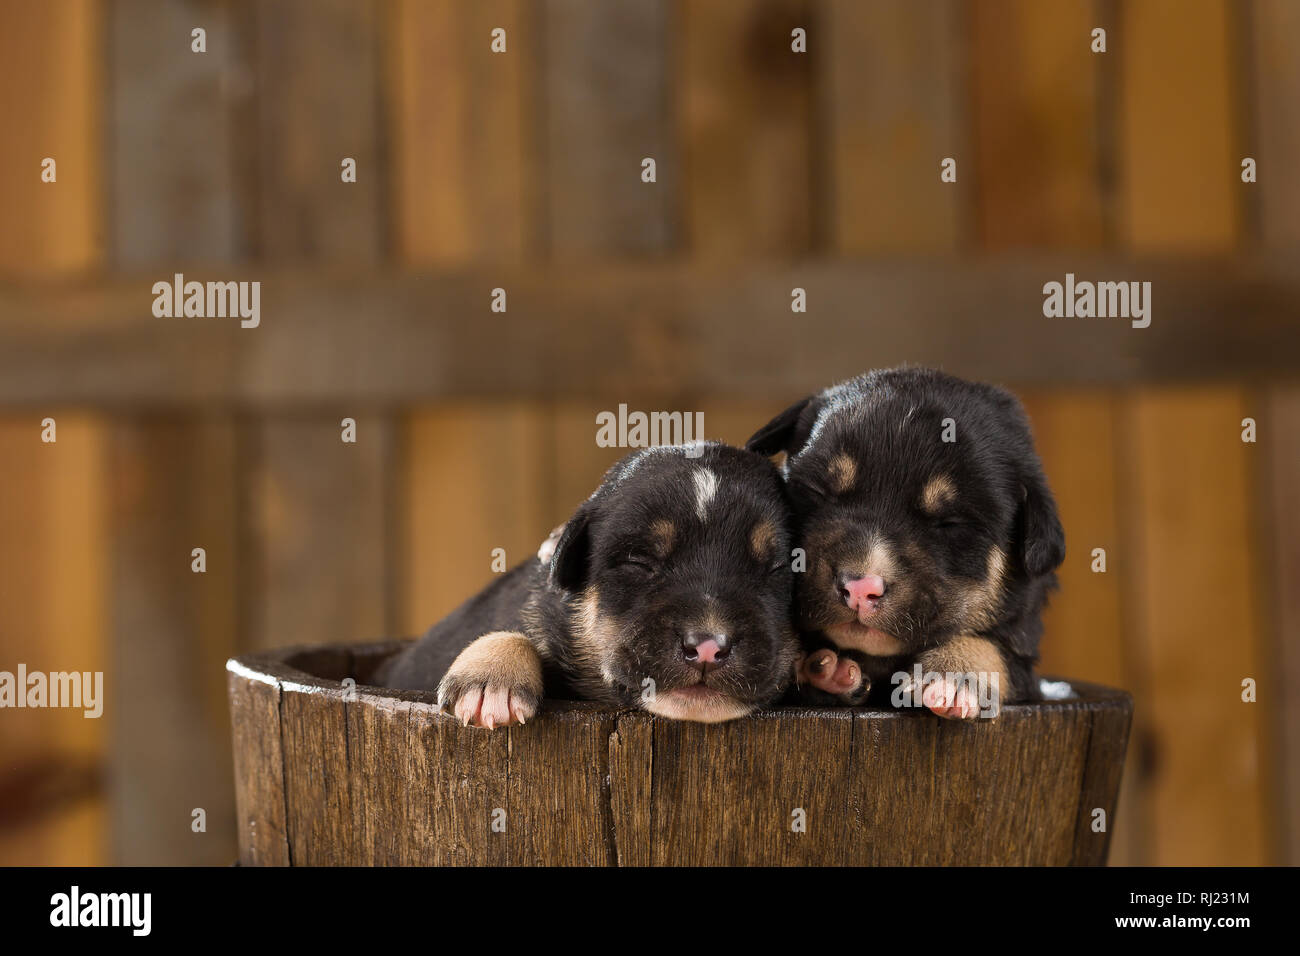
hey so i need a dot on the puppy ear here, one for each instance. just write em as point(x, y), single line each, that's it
point(1042, 537)
point(570, 558)
point(788, 432)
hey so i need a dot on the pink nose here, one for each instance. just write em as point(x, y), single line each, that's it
point(707, 651)
point(701, 649)
point(862, 593)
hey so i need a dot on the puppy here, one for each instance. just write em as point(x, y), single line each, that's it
point(931, 539)
point(669, 589)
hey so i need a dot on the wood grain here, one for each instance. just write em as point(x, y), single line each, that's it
point(318, 531)
point(258, 767)
point(1199, 632)
point(1038, 784)
point(606, 89)
point(464, 152)
point(51, 61)
point(646, 331)
point(1180, 166)
point(1280, 525)
point(472, 480)
point(1102, 790)
point(380, 778)
point(317, 522)
point(1036, 124)
point(745, 100)
point(317, 102)
point(173, 488)
point(318, 781)
point(892, 101)
point(178, 122)
point(631, 803)
point(54, 601)
point(54, 590)
point(1075, 433)
point(557, 787)
point(1275, 89)
point(734, 791)
point(1087, 628)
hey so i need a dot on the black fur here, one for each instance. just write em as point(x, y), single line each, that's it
point(890, 425)
point(643, 598)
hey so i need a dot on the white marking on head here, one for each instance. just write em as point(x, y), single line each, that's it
point(880, 558)
point(706, 486)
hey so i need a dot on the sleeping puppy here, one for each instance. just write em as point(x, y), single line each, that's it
point(669, 589)
point(931, 539)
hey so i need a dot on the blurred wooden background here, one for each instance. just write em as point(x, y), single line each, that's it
point(476, 430)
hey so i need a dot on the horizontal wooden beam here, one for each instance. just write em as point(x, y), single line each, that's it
point(668, 329)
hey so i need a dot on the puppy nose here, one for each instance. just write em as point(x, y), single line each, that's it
point(861, 593)
point(702, 648)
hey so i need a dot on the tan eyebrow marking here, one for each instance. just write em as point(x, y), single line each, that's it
point(843, 471)
point(762, 539)
point(938, 492)
point(663, 535)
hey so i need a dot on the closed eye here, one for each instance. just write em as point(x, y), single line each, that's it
point(640, 562)
point(814, 490)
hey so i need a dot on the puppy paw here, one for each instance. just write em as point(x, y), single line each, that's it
point(495, 682)
point(546, 550)
point(962, 679)
point(951, 699)
point(831, 674)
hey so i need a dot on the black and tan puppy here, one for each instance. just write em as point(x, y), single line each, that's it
point(931, 539)
point(668, 589)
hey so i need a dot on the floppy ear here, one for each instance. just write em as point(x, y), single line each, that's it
point(570, 558)
point(1042, 537)
point(787, 432)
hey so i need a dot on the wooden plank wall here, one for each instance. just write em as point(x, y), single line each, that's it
point(317, 510)
point(893, 104)
point(468, 157)
point(1038, 98)
point(1181, 137)
point(53, 598)
point(174, 478)
point(606, 101)
point(1279, 522)
point(456, 115)
point(461, 115)
point(1120, 463)
point(1274, 141)
point(296, 522)
point(744, 104)
point(53, 570)
point(1036, 123)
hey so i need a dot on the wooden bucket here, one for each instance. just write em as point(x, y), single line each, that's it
point(329, 771)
